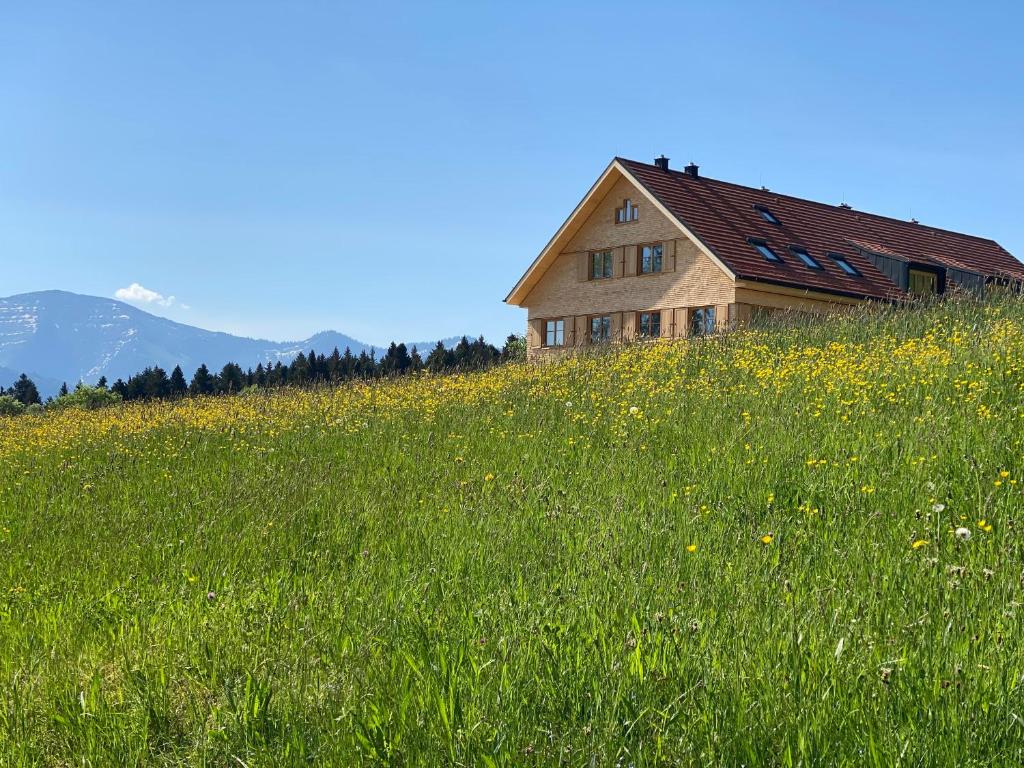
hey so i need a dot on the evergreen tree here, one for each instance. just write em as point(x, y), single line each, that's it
point(63, 389)
point(25, 391)
point(202, 381)
point(334, 366)
point(438, 359)
point(102, 383)
point(415, 361)
point(230, 379)
point(298, 371)
point(178, 387)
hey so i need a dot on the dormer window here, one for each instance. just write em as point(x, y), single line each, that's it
point(767, 215)
point(628, 212)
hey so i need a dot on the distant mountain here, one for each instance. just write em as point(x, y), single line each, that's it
point(56, 336)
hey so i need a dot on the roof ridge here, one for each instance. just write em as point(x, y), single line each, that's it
point(855, 211)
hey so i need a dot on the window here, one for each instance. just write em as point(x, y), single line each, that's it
point(767, 215)
point(600, 329)
point(702, 321)
point(764, 250)
point(650, 259)
point(650, 325)
point(628, 212)
point(600, 265)
point(805, 257)
point(554, 333)
point(844, 265)
point(923, 282)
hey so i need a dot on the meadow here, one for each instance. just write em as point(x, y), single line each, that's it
point(740, 550)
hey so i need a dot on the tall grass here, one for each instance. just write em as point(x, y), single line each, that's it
point(737, 551)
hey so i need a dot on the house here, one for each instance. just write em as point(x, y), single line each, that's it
point(655, 252)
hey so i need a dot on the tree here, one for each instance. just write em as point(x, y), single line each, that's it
point(102, 383)
point(514, 349)
point(63, 389)
point(87, 398)
point(230, 378)
point(202, 381)
point(10, 407)
point(439, 359)
point(25, 391)
point(178, 387)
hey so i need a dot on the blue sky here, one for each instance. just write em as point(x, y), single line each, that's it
point(388, 170)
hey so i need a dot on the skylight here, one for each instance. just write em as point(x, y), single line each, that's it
point(767, 215)
point(805, 257)
point(764, 250)
point(844, 265)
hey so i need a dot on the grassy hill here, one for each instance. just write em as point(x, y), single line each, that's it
point(741, 550)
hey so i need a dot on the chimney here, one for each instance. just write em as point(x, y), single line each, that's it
point(661, 162)
point(692, 170)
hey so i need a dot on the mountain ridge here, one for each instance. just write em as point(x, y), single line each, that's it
point(58, 336)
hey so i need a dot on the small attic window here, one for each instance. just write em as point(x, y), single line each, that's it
point(802, 254)
point(844, 265)
point(628, 212)
point(764, 250)
point(767, 215)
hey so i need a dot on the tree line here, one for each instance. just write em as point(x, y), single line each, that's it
point(310, 369)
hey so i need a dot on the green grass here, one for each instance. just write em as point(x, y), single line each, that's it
point(348, 588)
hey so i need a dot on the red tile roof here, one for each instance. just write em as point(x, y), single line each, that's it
point(724, 217)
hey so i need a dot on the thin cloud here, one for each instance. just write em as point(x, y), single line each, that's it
point(142, 295)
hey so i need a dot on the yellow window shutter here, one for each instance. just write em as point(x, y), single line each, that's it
point(630, 265)
point(534, 329)
point(628, 326)
point(668, 256)
point(583, 266)
point(617, 258)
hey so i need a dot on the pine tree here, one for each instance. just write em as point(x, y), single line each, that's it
point(102, 383)
point(25, 391)
point(230, 379)
point(202, 381)
point(177, 387)
point(63, 389)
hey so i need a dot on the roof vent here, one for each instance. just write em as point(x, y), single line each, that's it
point(692, 170)
point(847, 206)
point(661, 162)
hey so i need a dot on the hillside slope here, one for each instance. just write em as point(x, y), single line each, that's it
point(736, 551)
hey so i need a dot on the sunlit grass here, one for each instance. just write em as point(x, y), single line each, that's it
point(734, 551)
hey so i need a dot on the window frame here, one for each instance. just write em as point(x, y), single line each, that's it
point(707, 311)
point(758, 244)
point(607, 339)
point(544, 333)
point(805, 257)
point(627, 213)
point(653, 315)
point(640, 258)
point(609, 261)
point(839, 260)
